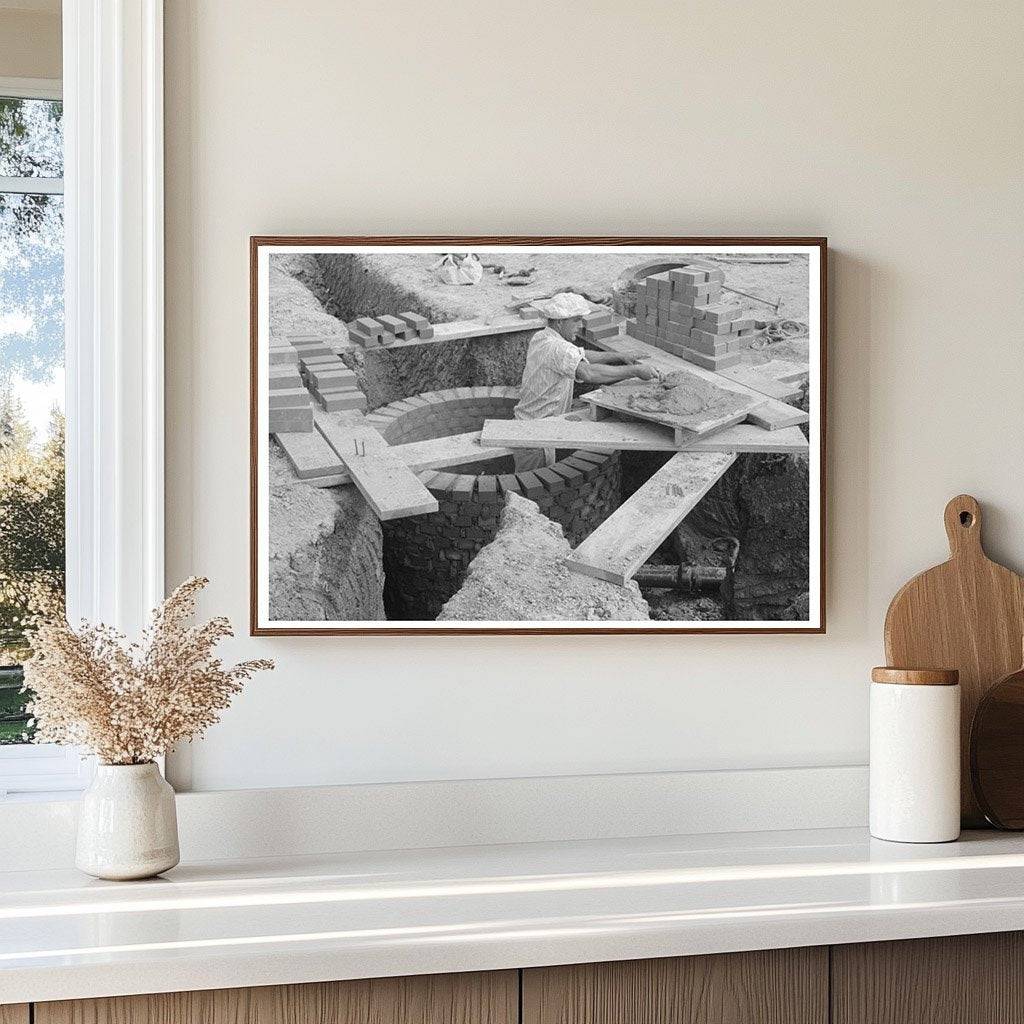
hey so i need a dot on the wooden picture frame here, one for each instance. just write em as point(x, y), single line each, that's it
point(708, 249)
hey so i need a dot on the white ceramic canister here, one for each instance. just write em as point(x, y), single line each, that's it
point(915, 755)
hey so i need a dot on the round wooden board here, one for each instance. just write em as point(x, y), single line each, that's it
point(967, 614)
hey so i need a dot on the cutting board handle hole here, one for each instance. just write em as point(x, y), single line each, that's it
point(966, 519)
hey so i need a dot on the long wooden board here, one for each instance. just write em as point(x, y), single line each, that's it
point(657, 357)
point(619, 435)
point(437, 453)
point(767, 385)
point(389, 486)
point(967, 614)
point(309, 454)
point(625, 540)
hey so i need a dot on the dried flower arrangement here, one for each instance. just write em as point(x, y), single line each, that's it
point(129, 703)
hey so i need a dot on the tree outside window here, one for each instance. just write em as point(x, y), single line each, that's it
point(31, 387)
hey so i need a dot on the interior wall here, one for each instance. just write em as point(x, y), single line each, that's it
point(30, 42)
point(895, 129)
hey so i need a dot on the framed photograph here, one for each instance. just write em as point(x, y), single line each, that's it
point(537, 435)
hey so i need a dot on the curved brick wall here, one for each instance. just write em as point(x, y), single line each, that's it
point(426, 557)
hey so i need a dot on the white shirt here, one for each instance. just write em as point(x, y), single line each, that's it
point(550, 371)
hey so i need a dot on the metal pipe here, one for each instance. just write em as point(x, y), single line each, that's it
point(695, 579)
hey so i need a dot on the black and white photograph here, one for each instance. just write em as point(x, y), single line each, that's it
point(556, 435)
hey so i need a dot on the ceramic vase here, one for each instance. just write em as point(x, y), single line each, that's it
point(127, 825)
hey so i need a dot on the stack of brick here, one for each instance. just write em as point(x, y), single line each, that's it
point(327, 378)
point(681, 312)
point(385, 330)
point(601, 325)
point(290, 408)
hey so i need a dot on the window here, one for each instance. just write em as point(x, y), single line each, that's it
point(32, 549)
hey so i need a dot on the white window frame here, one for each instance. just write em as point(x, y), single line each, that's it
point(114, 322)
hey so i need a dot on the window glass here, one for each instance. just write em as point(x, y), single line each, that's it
point(31, 138)
point(31, 388)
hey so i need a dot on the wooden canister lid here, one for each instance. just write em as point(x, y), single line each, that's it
point(916, 676)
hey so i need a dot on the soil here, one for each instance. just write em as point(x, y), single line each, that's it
point(325, 550)
point(680, 399)
point(521, 576)
point(294, 308)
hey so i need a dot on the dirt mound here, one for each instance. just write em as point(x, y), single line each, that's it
point(294, 307)
point(325, 551)
point(521, 576)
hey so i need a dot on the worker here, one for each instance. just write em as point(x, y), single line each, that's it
point(554, 363)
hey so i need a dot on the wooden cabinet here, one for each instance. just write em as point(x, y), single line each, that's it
point(778, 986)
point(971, 979)
point(963, 979)
point(491, 998)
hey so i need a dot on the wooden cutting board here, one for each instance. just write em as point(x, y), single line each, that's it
point(967, 614)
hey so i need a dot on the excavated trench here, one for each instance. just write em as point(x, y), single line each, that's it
point(426, 557)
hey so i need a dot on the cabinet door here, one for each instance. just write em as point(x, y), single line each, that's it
point(962, 979)
point(14, 1013)
point(483, 998)
point(778, 986)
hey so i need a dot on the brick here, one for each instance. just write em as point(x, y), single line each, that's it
point(426, 333)
point(509, 484)
point(462, 487)
point(414, 320)
point(391, 324)
point(598, 318)
point(691, 293)
point(688, 276)
point(712, 362)
point(289, 380)
point(323, 362)
point(531, 485)
point(282, 355)
point(609, 330)
point(716, 275)
point(708, 344)
point(568, 473)
point(368, 326)
point(288, 397)
point(487, 489)
point(337, 401)
point(321, 376)
point(740, 344)
point(443, 481)
point(719, 312)
point(291, 421)
point(551, 480)
point(745, 324)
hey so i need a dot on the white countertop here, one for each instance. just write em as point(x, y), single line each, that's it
point(261, 922)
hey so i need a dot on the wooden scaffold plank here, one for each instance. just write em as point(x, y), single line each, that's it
point(621, 435)
point(390, 488)
point(436, 453)
point(625, 540)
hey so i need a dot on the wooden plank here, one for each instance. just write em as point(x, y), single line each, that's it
point(657, 357)
point(14, 1013)
point(461, 330)
point(625, 540)
point(772, 986)
point(309, 454)
point(966, 979)
point(767, 385)
point(389, 486)
point(776, 416)
point(732, 408)
point(437, 453)
point(476, 998)
point(618, 435)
